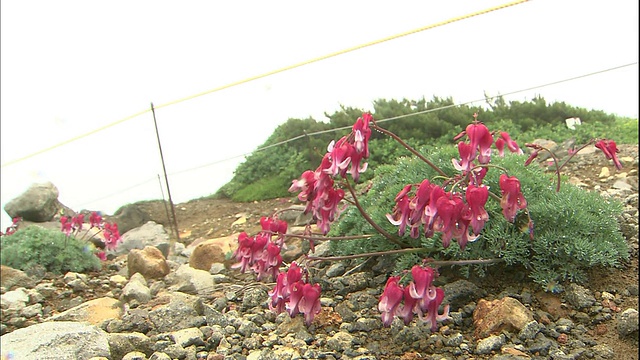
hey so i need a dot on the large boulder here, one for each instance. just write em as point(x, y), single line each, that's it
point(38, 204)
point(128, 217)
point(149, 234)
point(56, 340)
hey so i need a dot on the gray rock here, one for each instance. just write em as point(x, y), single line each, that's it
point(493, 342)
point(541, 345)
point(461, 292)
point(579, 297)
point(158, 355)
point(604, 351)
point(187, 337)
point(354, 282)
point(125, 343)
point(628, 322)
point(336, 269)
point(136, 291)
point(15, 299)
point(32, 311)
point(254, 297)
point(182, 312)
point(367, 324)
point(190, 280)
point(56, 340)
point(340, 341)
point(529, 331)
point(128, 217)
point(148, 234)
point(135, 355)
point(564, 325)
point(39, 203)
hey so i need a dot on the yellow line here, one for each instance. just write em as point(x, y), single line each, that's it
point(354, 48)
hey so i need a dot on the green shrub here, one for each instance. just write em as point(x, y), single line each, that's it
point(574, 229)
point(266, 188)
point(51, 249)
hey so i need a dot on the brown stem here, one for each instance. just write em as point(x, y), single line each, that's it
point(408, 147)
point(463, 262)
point(576, 152)
point(369, 219)
point(379, 253)
point(352, 237)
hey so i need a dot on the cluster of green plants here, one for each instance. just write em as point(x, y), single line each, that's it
point(574, 230)
point(267, 174)
point(35, 246)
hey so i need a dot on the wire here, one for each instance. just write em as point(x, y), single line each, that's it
point(286, 68)
point(408, 115)
point(379, 121)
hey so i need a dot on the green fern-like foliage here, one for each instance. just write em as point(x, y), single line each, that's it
point(51, 249)
point(574, 229)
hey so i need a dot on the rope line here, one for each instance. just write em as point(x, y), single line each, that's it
point(273, 72)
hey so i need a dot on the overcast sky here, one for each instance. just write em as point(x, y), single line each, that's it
point(70, 67)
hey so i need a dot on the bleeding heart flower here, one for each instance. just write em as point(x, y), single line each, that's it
point(512, 198)
point(610, 150)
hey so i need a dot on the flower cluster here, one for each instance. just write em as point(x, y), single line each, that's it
point(436, 210)
point(261, 253)
point(419, 297)
point(295, 295)
point(13, 227)
point(72, 226)
point(317, 187)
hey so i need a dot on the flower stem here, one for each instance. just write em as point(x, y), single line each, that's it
point(379, 253)
point(411, 149)
point(369, 219)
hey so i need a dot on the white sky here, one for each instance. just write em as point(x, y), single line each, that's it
point(69, 67)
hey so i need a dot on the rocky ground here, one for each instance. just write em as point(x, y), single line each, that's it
point(221, 314)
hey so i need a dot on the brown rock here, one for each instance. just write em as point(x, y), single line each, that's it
point(93, 311)
point(149, 262)
point(212, 251)
point(492, 317)
point(10, 277)
point(206, 254)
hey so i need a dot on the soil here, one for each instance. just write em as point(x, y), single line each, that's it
point(211, 218)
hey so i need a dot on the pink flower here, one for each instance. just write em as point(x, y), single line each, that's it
point(511, 145)
point(500, 146)
point(77, 222)
point(408, 309)
point(401, 211)
point(111, 235)
point(418, 297)
point(450, 209)
point(422, 278)
point(95, 220)
point(480, 140)
point(534, 154)
point(340, 155)
point(433, 316)
point(362, 133)
point(101, 255)
point(610, 150)
point(309, 305)
point(467, 155)
point(512, 198)
point(390, 300)
point(66, 225)
point(477, 198)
